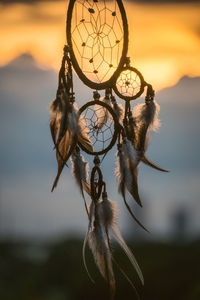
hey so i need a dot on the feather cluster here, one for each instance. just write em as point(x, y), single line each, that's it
point(67, 129)
point(145, 118)
point(132, 147)
point(103, 224)
point(68, 132)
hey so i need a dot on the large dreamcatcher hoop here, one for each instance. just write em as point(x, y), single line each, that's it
point(97, 34)
point(97, 44)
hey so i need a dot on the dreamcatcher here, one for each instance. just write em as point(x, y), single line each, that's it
point(97, 44)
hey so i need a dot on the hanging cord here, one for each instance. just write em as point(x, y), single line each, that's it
point(67, 77)
point(96, 96)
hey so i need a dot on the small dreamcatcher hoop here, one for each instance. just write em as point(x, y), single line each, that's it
point(97, 34)
point(101, 125)
point(130, 84)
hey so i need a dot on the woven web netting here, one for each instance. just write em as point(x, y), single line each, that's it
point(128, 83)
point(97, 38)
point(99, 125)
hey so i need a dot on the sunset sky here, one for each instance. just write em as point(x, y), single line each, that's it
point(164, 38)
point(164, 44)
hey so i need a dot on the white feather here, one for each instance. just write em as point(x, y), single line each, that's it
point(107, 211)
point(99, 246)
point(108, 214)
point(131, 153)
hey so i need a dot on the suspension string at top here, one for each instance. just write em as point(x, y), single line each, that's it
point(150, 93)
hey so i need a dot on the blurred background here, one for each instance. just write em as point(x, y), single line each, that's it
point(41, 233)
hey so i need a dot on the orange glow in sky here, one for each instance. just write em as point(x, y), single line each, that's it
point(164, 40)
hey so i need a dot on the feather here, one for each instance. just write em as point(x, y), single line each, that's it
point(53, 128)
point(146, 116)
point(128, 252)
point(131, 129)
point(67, 144)
point(83, 137)
point(102, 222)
point(79, 167)
point(131, 172)
point(72, 126)
point(61, 155)
point(107, 211)
point(120, 170)
point(148, 113)
point(146, 161)
point(102, 113)
point(73, 143)
point(73, 119)
point(99, 245)
point(63, 118)
point(121, 174)
point(86, 187)
point(108, 215)
point(133, 216)
point(85, 141)
point(127, 278)
point(132, 154)
point(54, 109)
point(80, 171)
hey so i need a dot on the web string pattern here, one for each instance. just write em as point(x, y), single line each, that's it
point(128, 83)
point(99, 129)
point(97, 38)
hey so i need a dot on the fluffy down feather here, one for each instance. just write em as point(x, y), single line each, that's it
point(146, 119)
point(98, 242)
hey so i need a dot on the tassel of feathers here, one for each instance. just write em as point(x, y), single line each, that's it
point(146, 116)
point(126, 170)
point(102, 223)
point(67, 130)
point(126, 173)
point(99, 243)
point(144, 119)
